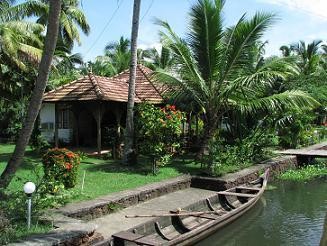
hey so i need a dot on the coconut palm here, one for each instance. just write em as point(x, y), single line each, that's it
point(36, 98)
point(118, 54)
point(154, 60)
point(129, 151)
point(286, 50)
point(308, 54)
point(212, 66)
point(72, 18)
point(19, 40)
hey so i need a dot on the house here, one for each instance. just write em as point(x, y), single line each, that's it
point(77, 113)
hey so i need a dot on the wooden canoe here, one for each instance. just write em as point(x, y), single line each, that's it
point(197, 221)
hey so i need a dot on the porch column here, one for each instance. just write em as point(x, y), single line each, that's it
point(98, 113)
point(75, 111)
point(116, 147)
point(98, 120)
point(56, 138)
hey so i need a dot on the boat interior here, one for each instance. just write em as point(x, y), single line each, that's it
point(163, 230)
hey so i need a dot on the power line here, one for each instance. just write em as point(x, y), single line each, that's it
point(147, 11)
point(105, 27)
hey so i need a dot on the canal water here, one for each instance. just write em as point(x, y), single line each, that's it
point(291, 214)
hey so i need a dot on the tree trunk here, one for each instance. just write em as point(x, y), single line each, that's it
point(210, 126)
point(129, 152)
point(36, 98)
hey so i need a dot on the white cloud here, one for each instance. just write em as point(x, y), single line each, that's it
point(149, 45)
point(314, 8)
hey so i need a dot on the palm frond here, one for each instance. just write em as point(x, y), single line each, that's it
point(286, 100)
point(242, 37)
point(205, 34)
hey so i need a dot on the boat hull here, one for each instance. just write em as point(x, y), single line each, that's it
point(195, 222)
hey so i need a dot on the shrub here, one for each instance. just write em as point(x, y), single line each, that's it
point(297, 130)
point(158, 131)
point(224, 158)
point(60, 168)
point(6, 229)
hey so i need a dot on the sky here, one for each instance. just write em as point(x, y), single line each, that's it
point(110, 19)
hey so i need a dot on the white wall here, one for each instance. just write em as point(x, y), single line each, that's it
point(47, 118)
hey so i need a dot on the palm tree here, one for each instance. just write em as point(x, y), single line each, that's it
point(129, 153)
point(19, 40)
point(212, 66)
point(309, 55)
point(36, 99)
point(72, 18)
point(154, 60)
point(119, 54)
point(286, 50)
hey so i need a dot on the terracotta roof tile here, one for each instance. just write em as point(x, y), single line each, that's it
point(93, 87)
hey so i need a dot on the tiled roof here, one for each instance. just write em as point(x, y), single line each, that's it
point(92, 87)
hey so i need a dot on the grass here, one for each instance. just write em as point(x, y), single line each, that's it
point(105, 176)
point(306, 173)
point(19, 231)
point(101, 176)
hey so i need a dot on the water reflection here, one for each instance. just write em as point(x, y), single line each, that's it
point(292, 214)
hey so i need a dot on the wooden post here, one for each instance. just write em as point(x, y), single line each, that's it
point(76, 128)
point(56, 137)
point(98, 120)
point(97, 110)
point(116, 147)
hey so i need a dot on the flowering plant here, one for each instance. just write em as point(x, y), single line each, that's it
point(158, 130)
point(60, 167)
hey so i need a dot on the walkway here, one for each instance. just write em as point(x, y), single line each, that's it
point(313, 151)
point(309, 153)
point(116, 222)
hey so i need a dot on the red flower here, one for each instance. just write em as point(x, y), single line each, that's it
point(68, 166)
point(70, 155)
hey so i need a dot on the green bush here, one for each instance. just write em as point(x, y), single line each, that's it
point(224, 158)
point(60, 169)
point(158, 131)
point(297, 130)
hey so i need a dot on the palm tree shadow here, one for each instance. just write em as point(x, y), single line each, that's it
point(118, 167)
point(30, 159)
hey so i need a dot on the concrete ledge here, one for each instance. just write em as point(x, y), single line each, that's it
point(319, 146)
point(277, 165)
point(92, 209)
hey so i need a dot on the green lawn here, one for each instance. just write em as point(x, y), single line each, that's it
point(101, 176)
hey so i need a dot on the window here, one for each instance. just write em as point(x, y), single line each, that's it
point(47, 126)
point(63, 119)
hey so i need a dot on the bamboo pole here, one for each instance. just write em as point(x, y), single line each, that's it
point(172, 214)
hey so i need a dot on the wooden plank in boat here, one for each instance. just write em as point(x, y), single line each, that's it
point(236, 194)
point(207, 216)
point(247, 188)
point(147, 240)
point(191, 224)
point(129, 236)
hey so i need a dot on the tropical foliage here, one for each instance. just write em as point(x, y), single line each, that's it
point(60, 168)
point(21, 45)
point(218, 67)
point(158, 131)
